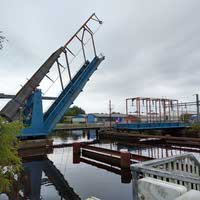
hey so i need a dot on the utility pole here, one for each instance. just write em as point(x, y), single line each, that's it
point(110, 110)
point(197, 103)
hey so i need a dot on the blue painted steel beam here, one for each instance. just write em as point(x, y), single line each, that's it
point(70, 93)
point(42, 124)
point(150, 126)
point(36, 127)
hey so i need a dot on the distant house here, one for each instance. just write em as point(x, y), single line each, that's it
point(79, 119)
point(104, 118)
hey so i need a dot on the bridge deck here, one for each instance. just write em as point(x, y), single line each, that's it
point(151, 126)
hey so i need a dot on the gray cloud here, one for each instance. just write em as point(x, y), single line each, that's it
point(151, 47)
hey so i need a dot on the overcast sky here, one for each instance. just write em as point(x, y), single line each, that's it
point(152, 47)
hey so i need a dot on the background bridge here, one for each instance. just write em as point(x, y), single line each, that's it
point(152, 126)
point(145, 113)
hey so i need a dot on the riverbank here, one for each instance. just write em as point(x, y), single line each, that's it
point(148, 137)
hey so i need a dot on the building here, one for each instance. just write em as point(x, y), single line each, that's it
point(79, 119)
point(106, 118)
point(103, 118)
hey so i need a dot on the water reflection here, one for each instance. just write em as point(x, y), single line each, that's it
point(39, 174)
point(124, 173)
point(57, 174)
point(105, 162)
point(74, 135)
point(152, 151)
point(33, 172)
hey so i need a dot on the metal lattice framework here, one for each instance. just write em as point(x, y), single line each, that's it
point(13, 108)
point(153, 109)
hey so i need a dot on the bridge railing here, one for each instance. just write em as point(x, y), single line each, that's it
point(182, 169)
point(153, 125)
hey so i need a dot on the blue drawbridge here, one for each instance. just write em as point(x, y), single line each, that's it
point(27, 103)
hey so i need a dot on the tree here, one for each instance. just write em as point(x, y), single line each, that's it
point(185, 117)
point(75, 110)
point(195, 128)
point(115, 113)
point(2, 39)
point(10, 163)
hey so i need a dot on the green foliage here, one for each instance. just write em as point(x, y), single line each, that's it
point(75, 110)
point(116, 113)
point(10, 163)
point(185, 117)
point(195, 128)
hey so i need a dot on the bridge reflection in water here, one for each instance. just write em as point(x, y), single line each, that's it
point(41, 177)
point(33, 179)
point(39, 171)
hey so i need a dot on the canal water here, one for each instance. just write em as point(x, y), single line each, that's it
point(85, 179)
point(57, 175)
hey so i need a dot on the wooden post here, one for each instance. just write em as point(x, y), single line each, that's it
point(76, 152)
point(125, 159)
point(76, 148)
point(126, 175)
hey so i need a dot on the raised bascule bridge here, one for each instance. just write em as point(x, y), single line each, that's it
point(27, 105)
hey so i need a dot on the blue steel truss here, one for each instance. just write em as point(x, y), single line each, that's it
point(42, 124)
point(70, 93)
